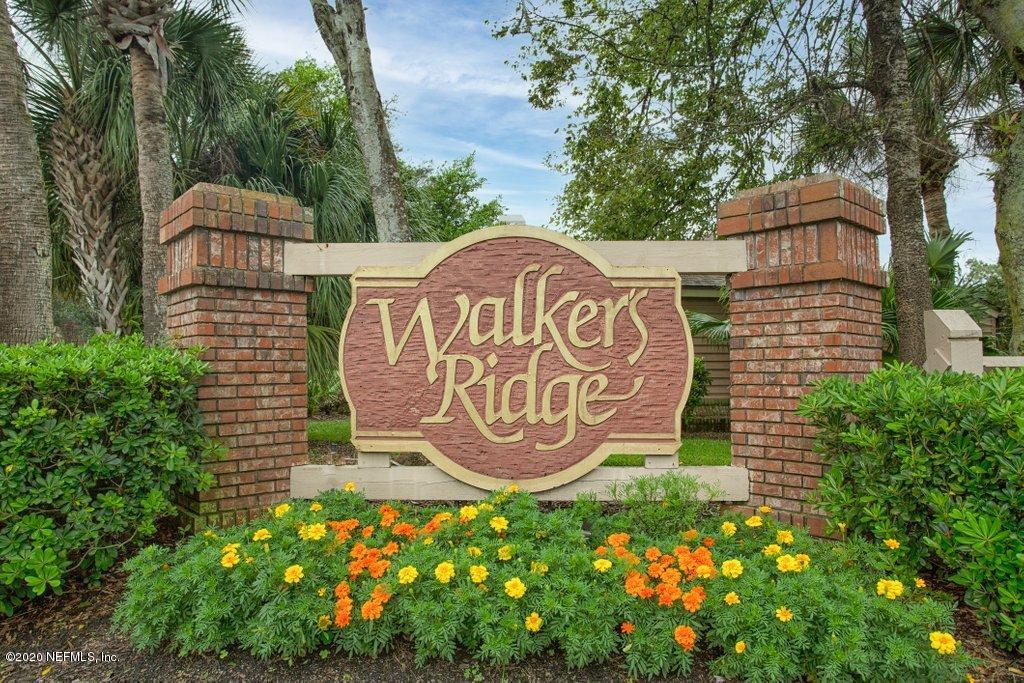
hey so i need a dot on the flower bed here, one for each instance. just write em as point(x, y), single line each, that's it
point(504, 580)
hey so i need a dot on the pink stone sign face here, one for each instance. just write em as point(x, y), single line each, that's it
point(516, 354)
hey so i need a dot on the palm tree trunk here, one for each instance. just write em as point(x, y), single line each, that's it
point(344, 32)
point(86, 185)
point(1002, 18)
point(26, 303)
point(909, 267)
point(934, 195)
point(156, 182)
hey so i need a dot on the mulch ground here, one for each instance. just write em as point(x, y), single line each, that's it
point(78, 623)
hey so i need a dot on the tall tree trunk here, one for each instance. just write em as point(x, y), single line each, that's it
point(939, 157)
point(1009, 197)
point(344, 31)
point(156, 182)
point(892, 93)
point(86, 185)
point(26, 303)
point(1002, 18)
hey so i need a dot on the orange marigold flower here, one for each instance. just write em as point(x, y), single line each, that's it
point(635, 581)
point(618, 540)
point(652, 554)
point(667, 594)
point(708, 542)
point(690, 535)
point(388, 515)
point(646, 592)
point(367, 531)
point(705, 571)
point(627, 627)
point(380, 594)
point(358, 550)
point(621, 552)
point(671, 576)
point(404, 529)
point(654, 569)
point(371, 610)
point(601, 550)
point(694, 598)
point(378, 568)
point(390, 549)
point(342, 590)
point(686, 637)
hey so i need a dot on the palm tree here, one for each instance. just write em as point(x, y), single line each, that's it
point(137, 27)
point(82, 105)
point(26, 308)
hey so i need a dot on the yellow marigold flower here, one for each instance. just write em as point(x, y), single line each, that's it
point(765, 510)
point(842, 527)
point(282, 510)
point(230, 548)
point(444, 516)
point(892, 544)
point(474, 551)
point(741, 647)
point(505, 552)
point(512, 488)
point(783, 614)
point(429, 540)
point(728, 528)
point(704, 571)
point(316, 507)
point(324, 622)
point(753, 522)
point(407, 574)
point(944, 642)
point(261, 535)
point(248, 560)
point(732, 569)
point(890, 588)
point(444, 572)
point(772, 549)
point(209, 533)
point(350, 486)
point(787, 563)
point(499, 524)
point(467, 513)
point(602, 565)
point(293, 574)
point(804, 560)
point(486, 507)
point(533, 622)
point(919, 582)
point(321, 592)
point(229, 560)
point(731, 598)
point(538, 568)
point(784, 536)
point(478, 573)
point(312, 532)
point(515, 588)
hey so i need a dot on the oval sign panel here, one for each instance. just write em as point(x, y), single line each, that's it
point(516, 354)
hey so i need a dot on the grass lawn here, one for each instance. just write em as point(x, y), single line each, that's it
point(692, 452)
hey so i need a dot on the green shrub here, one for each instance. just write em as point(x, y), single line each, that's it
point(629, 594)
point(935, 461)
point(698, 388)
point(94, 441)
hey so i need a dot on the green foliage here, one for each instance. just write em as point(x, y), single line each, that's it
point(691, 452)
point(95, 441)
point(935, 461)
point(698, 388)
point(334, 431)
point(674, 108)
point(575, 564)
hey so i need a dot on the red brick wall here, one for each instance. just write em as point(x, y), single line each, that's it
point(808, 307)
point(227, 292)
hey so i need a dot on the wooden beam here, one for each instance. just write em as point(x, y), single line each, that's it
point(697, 256)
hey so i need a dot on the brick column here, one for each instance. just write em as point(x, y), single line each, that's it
point(226, 291)
point(808, 307)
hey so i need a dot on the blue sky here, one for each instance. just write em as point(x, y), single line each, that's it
point(446, 79)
